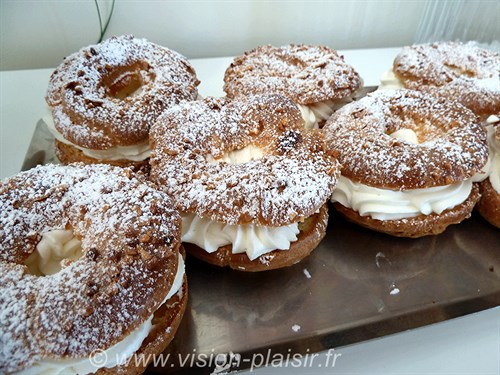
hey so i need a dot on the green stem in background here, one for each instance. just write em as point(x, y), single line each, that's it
point(109, 17)
point(103, 30)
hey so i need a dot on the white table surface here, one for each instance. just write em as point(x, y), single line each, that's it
point(466, 345)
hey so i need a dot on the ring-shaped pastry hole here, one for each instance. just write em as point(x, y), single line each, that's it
point(127, 81)
point(56, 250)
point(412, 128)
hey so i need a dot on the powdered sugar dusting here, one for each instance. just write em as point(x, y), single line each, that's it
point(84, 109)
point(293, 179)
point(452, 144)
point(463, 72)
point(129, 241)
point(307, 74)
point(394, 290)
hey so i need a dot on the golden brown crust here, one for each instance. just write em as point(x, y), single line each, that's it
point(307, 74)
point(489, 205)
point(291, 181)
point(422, 225)
point(68, 154)
point(109, 94)
point(452, 143)
point(166, 321)
point(312, 231)
point(462, 72)
point(128, 264)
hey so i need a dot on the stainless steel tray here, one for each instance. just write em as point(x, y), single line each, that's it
point(357, 285)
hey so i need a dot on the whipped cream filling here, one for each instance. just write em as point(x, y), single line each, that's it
point(55, 245)
point(243, 155)
point(405, 134)
point(494, 144)
point(385, 204)
point(116, 355)
point(254, 240)
point(315, 113)
point(138, 152)
point(388, 80)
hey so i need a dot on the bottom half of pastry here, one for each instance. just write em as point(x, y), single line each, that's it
point(310, 232)
point(416, 226)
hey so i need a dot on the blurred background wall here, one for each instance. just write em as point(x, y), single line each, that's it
point(39, 33)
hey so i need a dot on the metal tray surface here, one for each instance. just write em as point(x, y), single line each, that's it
point(357, 285)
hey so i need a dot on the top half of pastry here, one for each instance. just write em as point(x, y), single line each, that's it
point(458, 71)
point(316, 78)
point(107, 95)
point(242, 160)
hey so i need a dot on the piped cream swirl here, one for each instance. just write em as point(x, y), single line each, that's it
point(138, 152)
point(385, 204)
point(254, 240)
